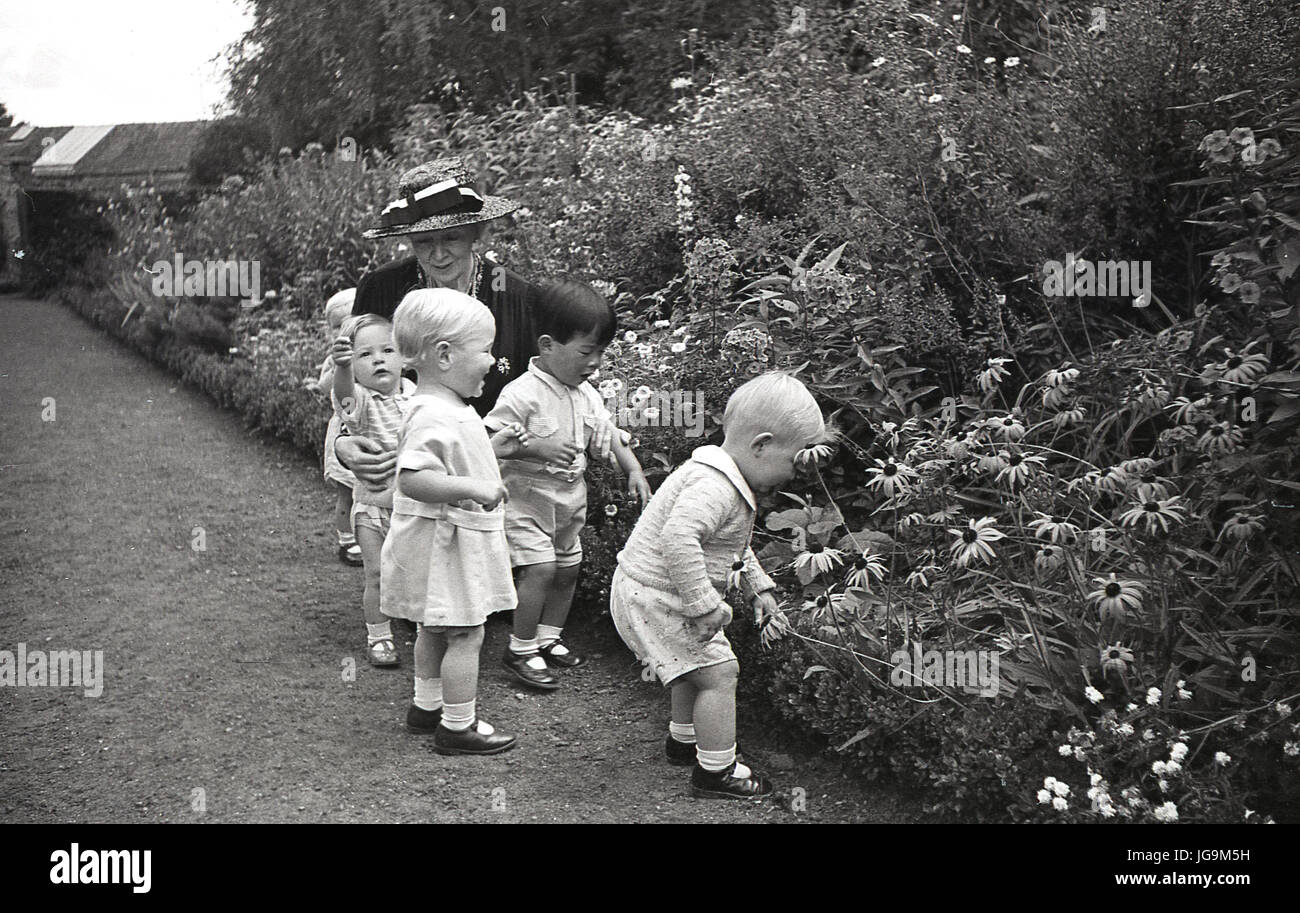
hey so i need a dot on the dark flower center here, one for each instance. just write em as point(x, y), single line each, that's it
point(1149, 478)
point(1234, 362)
point(1216, 431)
point(1151, 507)
point(1113, 590)
point(1015, 459)
point(822, 602)
point(890, 469)
point(816, 548)
point(969, 535)
point(1008, 422)
point(737, 565)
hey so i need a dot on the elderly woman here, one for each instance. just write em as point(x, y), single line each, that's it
point(442, 216)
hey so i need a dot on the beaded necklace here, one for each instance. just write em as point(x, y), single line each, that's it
point(472, 288)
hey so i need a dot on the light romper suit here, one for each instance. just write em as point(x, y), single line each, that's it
point(445, 565)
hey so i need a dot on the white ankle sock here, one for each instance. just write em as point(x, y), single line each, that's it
point(346, 539)
point(458, 717)
point(376, 633)
point(428, 693)
point(682, 732)
point(521, 647)
point(549, 634)
point(716, 761)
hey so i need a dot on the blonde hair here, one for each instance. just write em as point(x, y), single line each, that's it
point(777, 403)
point(355, 324)
point(339, 306)
point(429, 316)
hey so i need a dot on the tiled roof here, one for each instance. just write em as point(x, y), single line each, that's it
point(65, 155)
point(123, 151)
point(140, 149)
point(29, 149)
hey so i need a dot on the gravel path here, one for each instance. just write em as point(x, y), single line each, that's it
point(224, 694)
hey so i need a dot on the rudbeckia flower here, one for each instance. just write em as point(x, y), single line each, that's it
point(866, 567)
point(1056, 531)
point(1115, 658)
point(891, 478)
point(1116, 597)
point(1241, 526)
point(736, 573)
point(1186, 411)
point(1220, 437)
point(1155, 514)
point(1049, 558)
point(993, 375)
point(1018, 468)
point(819, 558)
point(1243, 369)
point(1068, 417)
point(1060, 378)
point(975, 542)
point(1008, 428)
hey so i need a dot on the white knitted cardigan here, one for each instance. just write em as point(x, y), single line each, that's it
point(696, 525)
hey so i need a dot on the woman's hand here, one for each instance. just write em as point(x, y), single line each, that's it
point(341, 351)
point(509, 440)
point(638, 487)
point(369, 462)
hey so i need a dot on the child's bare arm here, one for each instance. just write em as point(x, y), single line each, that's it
point(631, 466)
point(344, 387)
point(433, 487)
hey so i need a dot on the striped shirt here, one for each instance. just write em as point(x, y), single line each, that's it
point(377, 416)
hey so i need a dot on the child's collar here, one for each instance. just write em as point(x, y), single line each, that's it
point(557, 385)
point(714, 456)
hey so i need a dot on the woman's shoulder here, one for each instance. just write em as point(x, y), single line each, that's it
point(381, 289)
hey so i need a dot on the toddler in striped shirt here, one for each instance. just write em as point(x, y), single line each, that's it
point(369, 395)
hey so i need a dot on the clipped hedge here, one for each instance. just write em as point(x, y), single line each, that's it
point(272, 404)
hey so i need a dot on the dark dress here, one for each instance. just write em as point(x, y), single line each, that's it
point(511, 298)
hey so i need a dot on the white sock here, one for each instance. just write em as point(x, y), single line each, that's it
point(718, 761)
point(376, 633)
point(548, 634)
point(521, 647)
point(682, 732)
point(428, 693)
point(458, 717)
point(346, 539)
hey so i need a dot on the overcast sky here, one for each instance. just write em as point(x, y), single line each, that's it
point(64, 62)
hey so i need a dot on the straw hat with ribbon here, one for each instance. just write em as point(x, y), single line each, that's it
point(436, 195)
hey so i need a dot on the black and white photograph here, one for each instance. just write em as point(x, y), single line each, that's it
point(858, 412)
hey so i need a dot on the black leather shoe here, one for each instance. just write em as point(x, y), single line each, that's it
point(682, 754)
point(422, 722)
point(517, 663)
point(471, 741)
point(568, 659)
point(723, 785)
point(351, 555)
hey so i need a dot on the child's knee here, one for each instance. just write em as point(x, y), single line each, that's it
point(721, 677)
point(467, 638)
